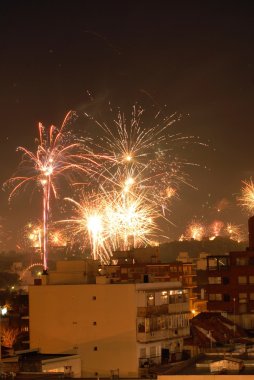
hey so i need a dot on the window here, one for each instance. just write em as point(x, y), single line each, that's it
point(164, 296)
point(251, 279)
point(242, 261)
point(243, 308)
point(150, 299)
point(142, 352)
point(215, 297)
point(214, 280)
point(242, 297)
point(242, 280)
point(226, 297)
point(225, 280)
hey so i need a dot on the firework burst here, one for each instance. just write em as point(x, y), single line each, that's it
point(246, 200)
point(234, 232)
point(111, 221)
point(195, 230)
point(58, 155)
point(146, 154)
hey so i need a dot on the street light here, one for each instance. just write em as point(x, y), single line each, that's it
point(234, 316)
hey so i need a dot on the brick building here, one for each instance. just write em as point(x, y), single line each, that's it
point(230, 286)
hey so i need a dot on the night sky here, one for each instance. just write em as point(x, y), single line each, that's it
point(197, 57)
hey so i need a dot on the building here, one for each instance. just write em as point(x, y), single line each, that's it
point(216, 365)
point(32, 364)
point(230, 287)
point(117, 329)
point(148, 268)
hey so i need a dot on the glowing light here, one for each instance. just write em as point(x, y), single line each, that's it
point(128, 157)
point(4, 310)
point(29, 268)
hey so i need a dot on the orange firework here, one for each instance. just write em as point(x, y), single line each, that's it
point(195, 230)
point(234, 232)
point(111, 221)
point(147, 151)
point(246, 200)
point(58, 155)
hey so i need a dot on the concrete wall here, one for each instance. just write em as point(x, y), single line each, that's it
point(67, 319)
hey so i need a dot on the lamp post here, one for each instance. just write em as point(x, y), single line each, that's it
point(211, 338)
point(234, 316)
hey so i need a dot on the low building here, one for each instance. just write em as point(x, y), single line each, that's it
point(27, 363)
point(227, 364)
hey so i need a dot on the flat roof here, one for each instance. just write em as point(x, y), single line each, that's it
point(204, 368)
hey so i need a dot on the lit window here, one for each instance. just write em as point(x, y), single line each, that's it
point(251, 279)
point(242, 261)
point(214, 280)
point(164, 296)
point(242, 280)
point(150, 299)
point(215, 297)
point(242, 297)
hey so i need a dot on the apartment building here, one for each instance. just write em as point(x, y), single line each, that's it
point(230, 286)
point(120, 329)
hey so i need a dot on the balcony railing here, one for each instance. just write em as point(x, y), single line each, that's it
point(175, 333)
point(149, 362)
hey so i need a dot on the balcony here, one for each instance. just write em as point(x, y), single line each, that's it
point(151, 366)
point(149, 362)
point(172, 333)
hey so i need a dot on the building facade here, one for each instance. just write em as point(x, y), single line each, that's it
point(230, 286)
point(116, 329)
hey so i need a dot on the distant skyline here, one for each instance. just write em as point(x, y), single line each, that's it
point(196, 57)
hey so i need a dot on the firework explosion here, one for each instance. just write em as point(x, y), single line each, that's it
point(197, 231)
point(58, 155)
point(135, 190)
point(246, 200)
point(234, 232)
point(33, 232)
point(132, 182)
point(146, 155)
point(215, 228)
point(110, 222)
